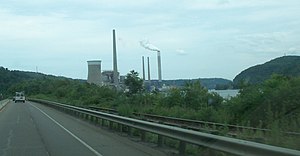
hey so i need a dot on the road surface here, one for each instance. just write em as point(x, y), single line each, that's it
point(31, 129)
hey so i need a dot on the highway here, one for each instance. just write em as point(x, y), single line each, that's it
point(31, 129)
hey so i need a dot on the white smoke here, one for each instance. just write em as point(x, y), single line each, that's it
point(181, 52)
point(147, 45)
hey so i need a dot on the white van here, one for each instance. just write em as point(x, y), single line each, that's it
point(19, 97)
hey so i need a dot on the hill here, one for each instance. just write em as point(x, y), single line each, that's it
point(9, 78)
point(286, 66)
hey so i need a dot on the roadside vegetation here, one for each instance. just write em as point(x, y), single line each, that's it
point(273, 104)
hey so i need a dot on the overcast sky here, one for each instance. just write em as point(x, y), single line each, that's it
point(197, 38)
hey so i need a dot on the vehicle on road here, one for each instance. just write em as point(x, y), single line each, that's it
point(20, 97)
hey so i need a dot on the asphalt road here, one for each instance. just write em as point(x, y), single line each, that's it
point(31, 129)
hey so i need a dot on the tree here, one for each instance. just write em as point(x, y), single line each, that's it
point(174, 98)
point(195, 95)
point(133, 82)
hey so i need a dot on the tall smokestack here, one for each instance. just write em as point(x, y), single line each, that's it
point(143, 64)
point(115, 65)
point(159, 66)
point(148, 69)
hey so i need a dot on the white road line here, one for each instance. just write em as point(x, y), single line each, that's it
point(73, 135)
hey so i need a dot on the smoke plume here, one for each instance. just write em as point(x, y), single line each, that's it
point(148, 45)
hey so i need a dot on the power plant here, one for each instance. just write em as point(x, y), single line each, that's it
point(108, 77)
point(112, 77)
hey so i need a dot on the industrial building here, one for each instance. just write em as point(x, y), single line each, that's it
point(107, 77)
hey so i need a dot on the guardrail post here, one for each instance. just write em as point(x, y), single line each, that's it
point(92, 118)
point(120, 128)
point(182, 146)
point(143, 135)
point(159, 140)
point(102, 122)
point(96, 120)
point(130, 131)
point(110, 125)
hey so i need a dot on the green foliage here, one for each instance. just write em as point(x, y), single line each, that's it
point(67, 91)
point(195, 96)
point(275, 100)
point(191, 96)
point(259, 134)
point(125, 110)
point(133, 82)
point(174, 98)
point(273, 104)
point(9, 78)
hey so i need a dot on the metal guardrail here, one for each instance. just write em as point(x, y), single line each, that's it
point(190, 124)
point(3, 103)
point(220, 143)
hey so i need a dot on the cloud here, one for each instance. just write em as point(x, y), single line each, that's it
point(181, 52)
point(229, 4)
point(263, 42)
point(293, 51)
point(215, 4)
